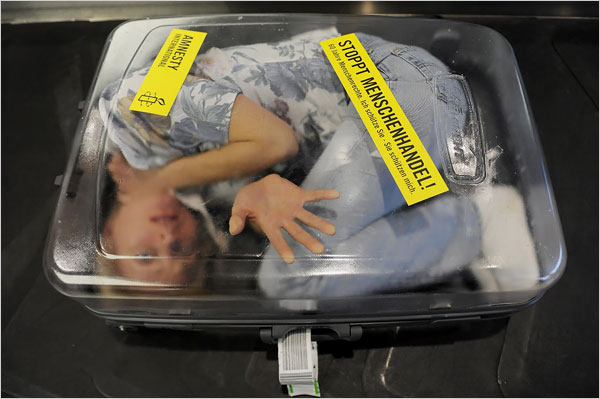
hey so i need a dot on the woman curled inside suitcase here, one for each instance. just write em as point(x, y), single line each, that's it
point(274, 109)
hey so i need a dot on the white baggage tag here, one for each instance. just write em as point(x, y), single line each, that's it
point(298, 363)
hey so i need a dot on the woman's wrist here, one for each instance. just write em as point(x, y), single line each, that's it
point(164, 178)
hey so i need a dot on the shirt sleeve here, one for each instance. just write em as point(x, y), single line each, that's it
point(198, 121)
point(201, 115)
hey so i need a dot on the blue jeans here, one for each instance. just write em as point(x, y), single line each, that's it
point(380, 244)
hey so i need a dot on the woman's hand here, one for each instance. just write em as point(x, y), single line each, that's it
point(273, 203)
point(133, 182)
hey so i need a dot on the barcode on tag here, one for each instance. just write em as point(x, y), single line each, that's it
point(296, 363)
point(294, 348)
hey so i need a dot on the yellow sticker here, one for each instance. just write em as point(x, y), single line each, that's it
point(167, 73)
point(399, 145)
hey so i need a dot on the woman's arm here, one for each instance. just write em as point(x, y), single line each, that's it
point(257, 140)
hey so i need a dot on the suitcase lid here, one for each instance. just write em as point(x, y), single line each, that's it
point(493, 239)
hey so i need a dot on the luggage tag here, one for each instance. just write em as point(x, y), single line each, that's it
point(168, 72)
point(299, 363)
point(396, 140)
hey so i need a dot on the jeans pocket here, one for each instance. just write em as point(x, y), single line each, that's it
point(411, 63)
point(458, 130)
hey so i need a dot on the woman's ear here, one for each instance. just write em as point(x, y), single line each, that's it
point(117, 166)
point(122, 197)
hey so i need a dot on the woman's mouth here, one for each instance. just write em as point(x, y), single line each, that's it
point(164, 218)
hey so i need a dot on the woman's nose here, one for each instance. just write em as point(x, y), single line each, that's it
point(166, 236)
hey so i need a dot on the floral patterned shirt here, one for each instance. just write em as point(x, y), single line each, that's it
point(292, 78)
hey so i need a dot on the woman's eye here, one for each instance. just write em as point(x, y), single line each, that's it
point(144, 258)
point(176, 248)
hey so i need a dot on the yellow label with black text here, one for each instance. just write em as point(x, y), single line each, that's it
point(167, 73)
point(399, 145)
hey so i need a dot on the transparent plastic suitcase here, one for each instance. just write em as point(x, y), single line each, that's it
point(489, 246)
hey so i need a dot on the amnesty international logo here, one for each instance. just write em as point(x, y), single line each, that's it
point(148, 99)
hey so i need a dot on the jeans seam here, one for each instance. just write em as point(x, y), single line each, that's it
point(418, 67)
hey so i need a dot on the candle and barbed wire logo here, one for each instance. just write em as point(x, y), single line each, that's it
point(149, 99)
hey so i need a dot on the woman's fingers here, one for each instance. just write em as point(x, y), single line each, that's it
point(272, 204)
point(312, 220)
point(240, 210)
point(318, 195)
point(302, 236)
point(236, 224)
point(280, 245)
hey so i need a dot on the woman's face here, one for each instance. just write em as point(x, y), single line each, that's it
point(159, 234)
